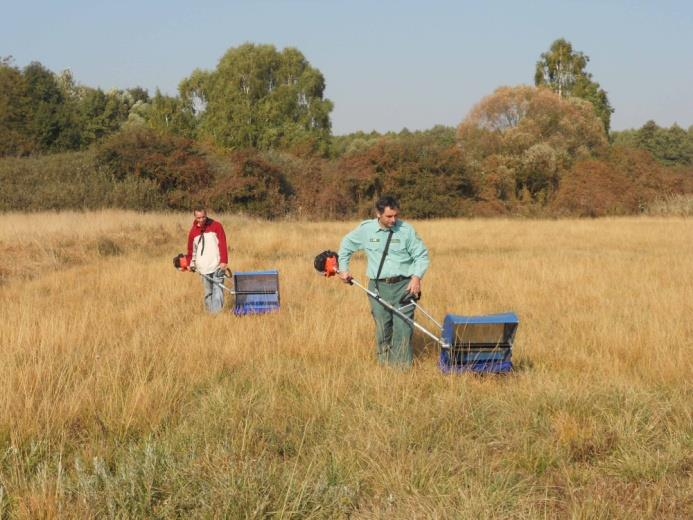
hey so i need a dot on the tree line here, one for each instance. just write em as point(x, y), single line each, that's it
point(43, 112)
point(254, 135)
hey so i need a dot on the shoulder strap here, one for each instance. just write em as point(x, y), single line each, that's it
point(382, 259)
point(208, 221)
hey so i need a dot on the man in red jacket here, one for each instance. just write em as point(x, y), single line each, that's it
point(208, 256)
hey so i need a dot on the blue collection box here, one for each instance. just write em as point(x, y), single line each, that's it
point(256, 292)
point(478, 343)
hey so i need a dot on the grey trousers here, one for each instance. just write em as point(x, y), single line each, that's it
point(392, 333)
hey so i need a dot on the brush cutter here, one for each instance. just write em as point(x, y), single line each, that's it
point(255, 292)
point(467, 343)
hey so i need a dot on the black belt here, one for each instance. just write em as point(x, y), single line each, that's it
point(393, 279)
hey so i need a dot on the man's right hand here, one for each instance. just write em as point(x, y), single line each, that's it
point(345, 276)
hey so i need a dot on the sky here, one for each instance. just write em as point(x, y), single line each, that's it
point(387, 64)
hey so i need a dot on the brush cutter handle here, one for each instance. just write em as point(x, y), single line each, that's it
point(345, 277)
point(409, 298)
point(215, 282)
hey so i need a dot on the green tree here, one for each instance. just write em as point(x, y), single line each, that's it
point(44, 112)
point(563, 70)
point(50, 123)
point(624, 138)
point(170, 114)
point(95, 113)
point(14, 110)
point(95, 121)
point(138, 94)
point(670, 146)
point(259, 97)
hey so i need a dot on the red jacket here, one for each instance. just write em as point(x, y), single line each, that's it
point(207, 246)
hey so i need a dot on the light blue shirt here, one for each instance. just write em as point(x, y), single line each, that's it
point(407, 255)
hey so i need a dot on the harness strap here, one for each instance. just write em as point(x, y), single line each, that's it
point(382, 260)
point(202, 235)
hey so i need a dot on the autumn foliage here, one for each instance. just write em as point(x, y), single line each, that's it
point(520, 151)
point(173, 163)
point(520, 141)
point(626, 182)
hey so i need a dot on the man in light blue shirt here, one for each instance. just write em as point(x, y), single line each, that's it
point(392, 277)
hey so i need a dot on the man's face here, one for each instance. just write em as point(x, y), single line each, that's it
point(388, 217)
point(200, 217)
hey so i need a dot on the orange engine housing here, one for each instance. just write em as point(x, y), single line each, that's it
point(331, 266)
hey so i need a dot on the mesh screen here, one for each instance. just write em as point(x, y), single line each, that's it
point(483, 334)
point(256, 293)
point(252, 282)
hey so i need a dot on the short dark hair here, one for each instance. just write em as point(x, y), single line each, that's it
point(199, 208)
point(386, 201)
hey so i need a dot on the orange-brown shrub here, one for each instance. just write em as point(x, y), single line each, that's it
point(174, 163)
point(251, 185)
point(625, 183)
point(429, 178)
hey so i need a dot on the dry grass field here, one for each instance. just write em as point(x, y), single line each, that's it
point(122, 398)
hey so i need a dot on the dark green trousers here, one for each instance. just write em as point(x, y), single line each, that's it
point(392, 333)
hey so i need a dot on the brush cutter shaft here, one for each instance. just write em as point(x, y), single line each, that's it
point(400, 313)
point(327, 264)
point(222, 285)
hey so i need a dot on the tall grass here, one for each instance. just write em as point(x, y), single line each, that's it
point(122, 398)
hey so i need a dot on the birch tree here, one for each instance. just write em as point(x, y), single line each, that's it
point(562, 69)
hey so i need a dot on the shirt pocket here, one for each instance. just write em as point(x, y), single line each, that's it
point(398, 251)
point(372, 247)
point(398, 244)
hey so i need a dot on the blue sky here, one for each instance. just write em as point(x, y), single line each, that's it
point(387, 64)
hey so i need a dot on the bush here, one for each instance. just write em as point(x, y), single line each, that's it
point(140, 169)
point(429, 178)
point(174, 164)
point(625, 183)
point(70, 181)
point(251, 185)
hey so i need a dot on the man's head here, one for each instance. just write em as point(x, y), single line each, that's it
point(387, 211)
point(200, 216)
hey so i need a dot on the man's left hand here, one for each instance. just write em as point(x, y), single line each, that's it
point(414, 286)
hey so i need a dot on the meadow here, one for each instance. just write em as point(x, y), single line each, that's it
point(121, 398)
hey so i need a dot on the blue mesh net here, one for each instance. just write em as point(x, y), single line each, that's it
point(256, 292)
